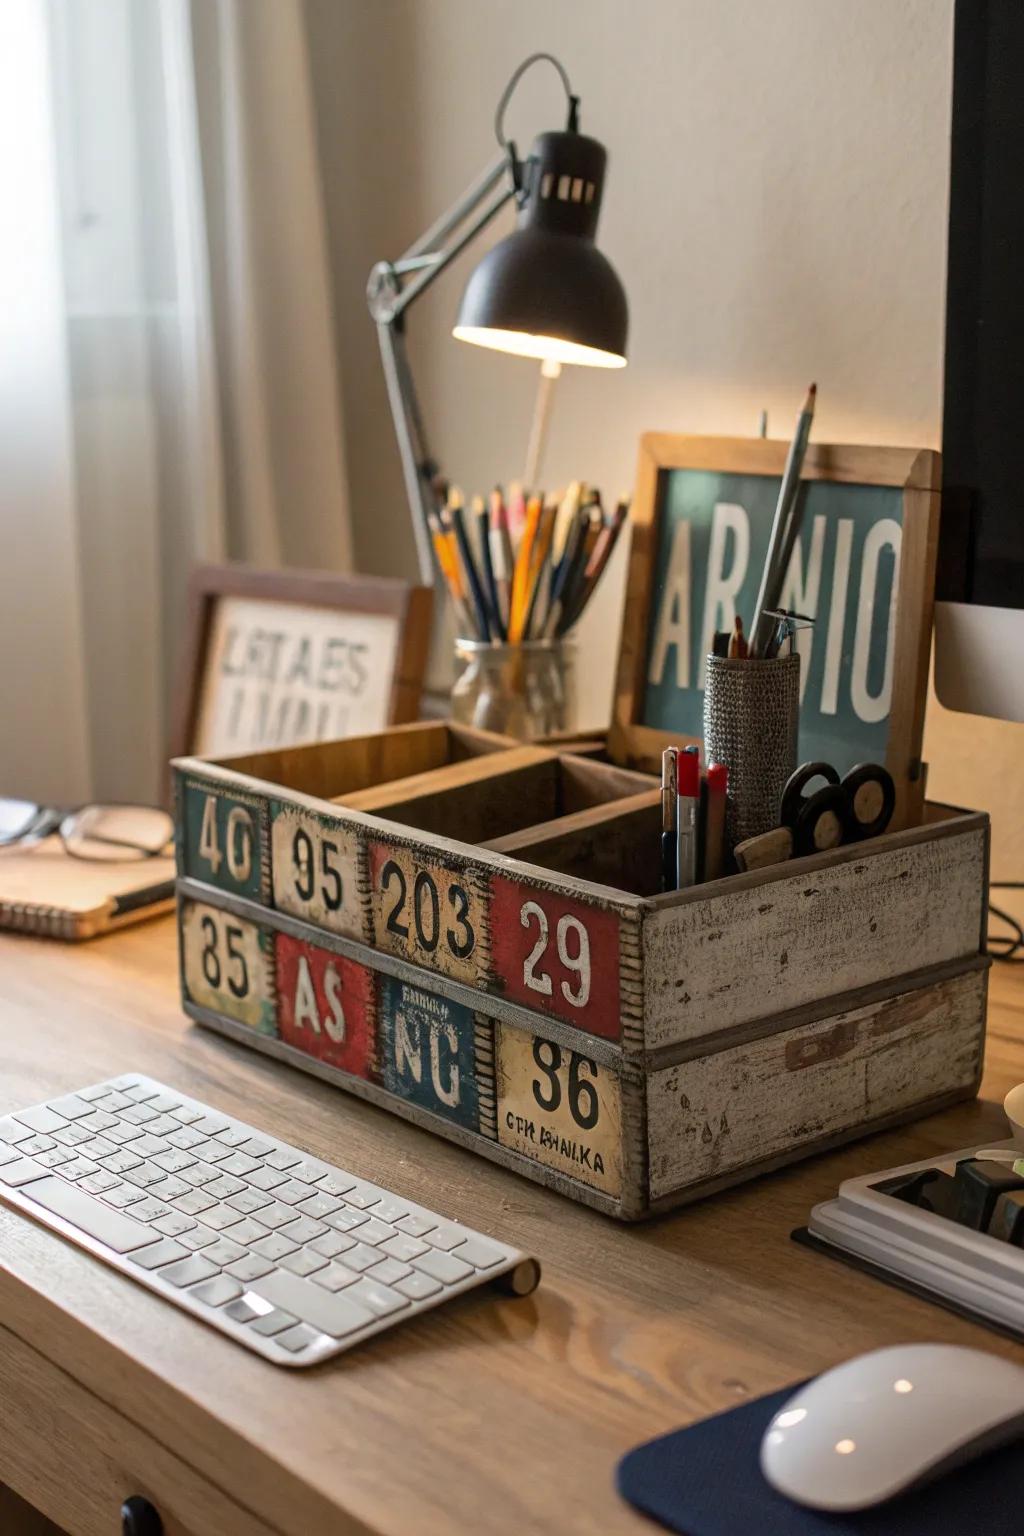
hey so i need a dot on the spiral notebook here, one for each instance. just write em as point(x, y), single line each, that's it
point(45, 891)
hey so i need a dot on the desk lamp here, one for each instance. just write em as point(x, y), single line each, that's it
point(545, 291)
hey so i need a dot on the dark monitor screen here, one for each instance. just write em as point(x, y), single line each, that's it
point(981, 558)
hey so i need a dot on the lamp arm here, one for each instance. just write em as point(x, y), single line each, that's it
point(389, 295)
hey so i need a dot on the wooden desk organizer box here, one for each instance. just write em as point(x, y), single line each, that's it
point(631, 1050)
point(468, 932)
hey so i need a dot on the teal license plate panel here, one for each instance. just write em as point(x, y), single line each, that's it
point(427, 1049)
point(224, 840)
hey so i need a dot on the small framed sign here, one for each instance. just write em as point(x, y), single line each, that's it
point(283, 658)
point(863, 568)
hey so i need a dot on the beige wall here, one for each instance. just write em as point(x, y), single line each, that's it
point(775, 205)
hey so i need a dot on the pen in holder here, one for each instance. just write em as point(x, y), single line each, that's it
point(751, 723)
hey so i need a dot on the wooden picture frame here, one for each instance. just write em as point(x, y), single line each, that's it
point(407, 607)
point(914, 474)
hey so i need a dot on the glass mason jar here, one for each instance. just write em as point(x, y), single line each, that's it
point(525, 690)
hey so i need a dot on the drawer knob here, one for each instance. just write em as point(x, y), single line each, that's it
point(139, 1518)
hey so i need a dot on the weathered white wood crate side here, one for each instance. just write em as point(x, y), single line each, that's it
point(770, 1097)
point(777, 943)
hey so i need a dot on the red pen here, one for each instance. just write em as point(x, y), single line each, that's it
point(714, 821)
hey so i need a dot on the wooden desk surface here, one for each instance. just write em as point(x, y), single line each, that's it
point(490, 1415)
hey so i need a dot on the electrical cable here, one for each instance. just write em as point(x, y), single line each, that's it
point(1006, 947)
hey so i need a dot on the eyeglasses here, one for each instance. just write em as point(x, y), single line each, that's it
point(98, 832)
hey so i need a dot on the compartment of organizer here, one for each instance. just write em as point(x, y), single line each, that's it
point(332, 769)
point(490, 799)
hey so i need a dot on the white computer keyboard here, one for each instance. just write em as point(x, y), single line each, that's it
point(288, 1255)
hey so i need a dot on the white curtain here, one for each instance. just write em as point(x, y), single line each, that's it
point(168, 389)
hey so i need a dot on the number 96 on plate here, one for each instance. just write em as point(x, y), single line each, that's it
point(227, 966)
point(559, 1107)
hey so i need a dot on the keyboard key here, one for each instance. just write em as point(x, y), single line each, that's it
point(90, 1095)
point(292, 1192)
point(240, 1165)
point(213, 1152)
point(165, 1103)
point(403, 1248)
point(272, 1322)
point(199, 1176)
point(123, 1134)
point(274, 1247)
point(267, 1178)
point(149, 1209)
point(22, 1172)
point(77, 1168)
point(319, 1205)
point(346, 1220)
point(9, 1154)
point(249, 1267)
point(194, 1202)
point(240, 1311)
point(189, 1271)
point(303, 1230)
point(169, 1188)
point(297, 1339)
point(174, 1161)
point(72, 1136)
point(275, 1216)
point(335, 1184)
point(200, 1237)
point(221, 1216)
point(223, 1252)
point(374, 1231)
point(304, 1262)
point(480, 1255)
point(161, 1126)
point(140, 1092)
point(43, 1119)
point(360, 1257)
point(331, 1313)
point(225, 1184)
point(13, 1132)
point(389, 1209)
point(185, 1139)
point(388, 1271)
point(138, 1114)
point(122, 1233)
point(418, 1287)
point(331, 1244)
point(112, 1102)
point(173, 1224)
point(124, 1194)
point(442, 1266)
point(256, 1146)
point(98, 1122)
point(362, 1195)
point(37, 1144)
point(379, 1299)
point(96, 1148)
point(157, 1254)
point(121, 1162)
point(248, 1200)
point(210, 1125)
point(445, 1236)
point(231, 1137)
point(249, 1231)
point(185, 1115)
point(283, 1160)
point(54, 1159)
point(70, 1108)
point(98, 1183)
point(217, 1291)
point(335, 1277)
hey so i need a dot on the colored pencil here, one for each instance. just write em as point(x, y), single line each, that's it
point(482, 523)
point(452, 577)
point(521, 576)
point(454, 513)
point(785, 527)
point(539, 565)
point(501, 558)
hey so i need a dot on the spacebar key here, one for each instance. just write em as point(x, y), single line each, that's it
point(329, 1311)
point(120, 1233)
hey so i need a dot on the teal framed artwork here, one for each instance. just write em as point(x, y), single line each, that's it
point(863, 568)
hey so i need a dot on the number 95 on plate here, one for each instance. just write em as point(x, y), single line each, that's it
point(228, 966)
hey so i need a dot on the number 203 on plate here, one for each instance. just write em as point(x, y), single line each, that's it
point(425, 911)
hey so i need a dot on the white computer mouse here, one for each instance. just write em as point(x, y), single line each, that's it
point(886, 1421)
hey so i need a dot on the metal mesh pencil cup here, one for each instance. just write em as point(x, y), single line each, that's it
point(751, 723)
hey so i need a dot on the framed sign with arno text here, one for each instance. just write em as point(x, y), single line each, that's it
point(283, 658)
point(863, 568)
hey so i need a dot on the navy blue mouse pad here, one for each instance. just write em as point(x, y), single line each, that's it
point(706, 1481)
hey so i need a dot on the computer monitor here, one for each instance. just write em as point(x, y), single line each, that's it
point(979, 614)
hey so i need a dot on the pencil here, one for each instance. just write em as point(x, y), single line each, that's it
point(454, 516)
point(600, 556)
point(669, 782)
point(521, 575)
point(516, 511)
point(501, 557)
point(785, 526)
point(539, 562)
point(739, 650)
point(452, 576)
point(483, 527)
point(567, 568)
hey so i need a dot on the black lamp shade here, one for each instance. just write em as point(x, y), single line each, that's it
point(546, 291)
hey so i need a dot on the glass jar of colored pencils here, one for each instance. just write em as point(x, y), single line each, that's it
point(525, 690)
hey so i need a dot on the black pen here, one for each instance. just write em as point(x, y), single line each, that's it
point(669, 783)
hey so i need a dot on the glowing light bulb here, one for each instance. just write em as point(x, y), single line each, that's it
point(845, 1447)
